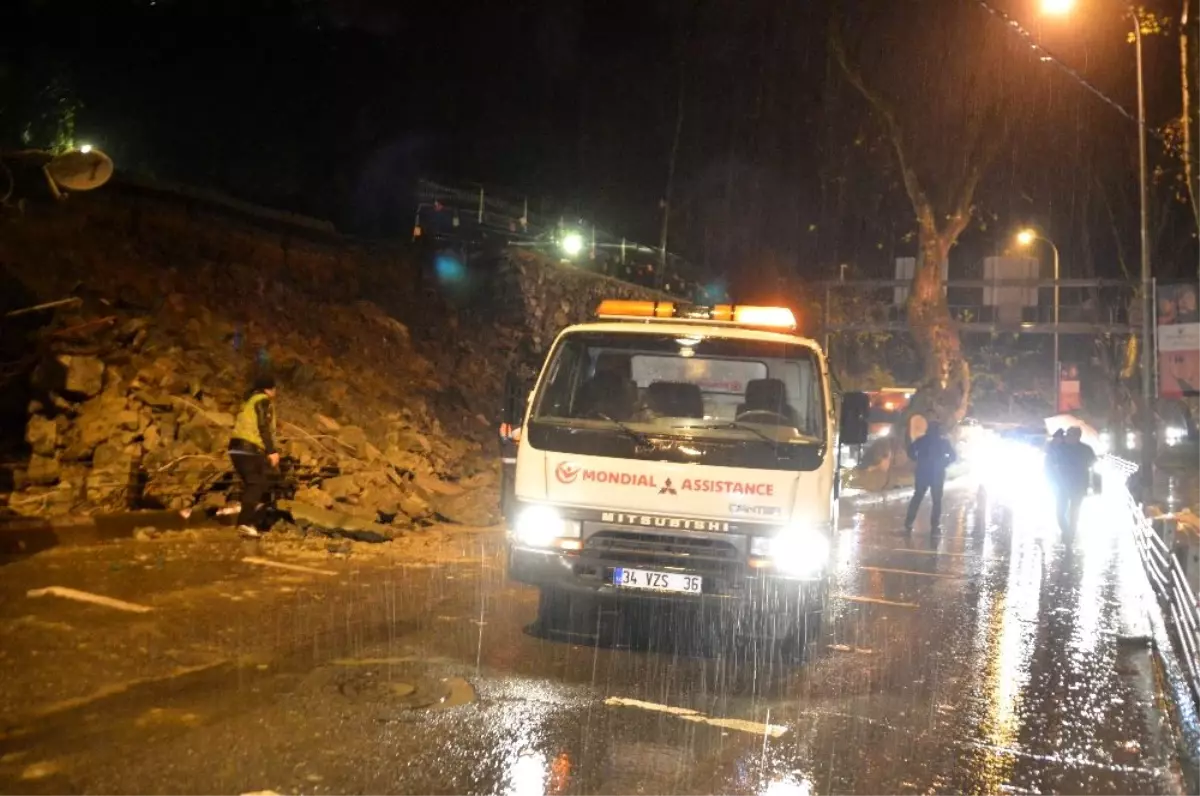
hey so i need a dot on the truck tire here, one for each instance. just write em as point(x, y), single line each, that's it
point(562, 612)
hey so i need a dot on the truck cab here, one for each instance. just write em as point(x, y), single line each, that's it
point(683, 454)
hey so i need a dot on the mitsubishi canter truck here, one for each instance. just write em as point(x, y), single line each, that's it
point(677, 453)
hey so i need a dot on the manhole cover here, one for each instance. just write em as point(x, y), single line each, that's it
point(420, 693)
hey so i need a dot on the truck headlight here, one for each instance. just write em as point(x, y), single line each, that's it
point(798, 551)
point(1175, 435)
point(540, 526)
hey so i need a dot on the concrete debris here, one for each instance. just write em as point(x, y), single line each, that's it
point(83, 376)
point(337, 523)
point(88, 597)
point(388, 399)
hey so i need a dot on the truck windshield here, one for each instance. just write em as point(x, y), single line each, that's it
point(700, 389)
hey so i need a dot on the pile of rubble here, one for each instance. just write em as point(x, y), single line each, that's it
point(148, 423)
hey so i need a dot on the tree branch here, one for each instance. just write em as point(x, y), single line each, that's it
point(912, 183)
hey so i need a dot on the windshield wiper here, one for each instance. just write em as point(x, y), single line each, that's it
point(636, 436)
point(735, 424)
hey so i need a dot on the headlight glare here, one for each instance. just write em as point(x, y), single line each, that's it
point(797, 550)
point(539, 526)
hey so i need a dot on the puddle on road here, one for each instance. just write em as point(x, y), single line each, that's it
point(387, 688)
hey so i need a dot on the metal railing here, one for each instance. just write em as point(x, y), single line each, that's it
point(1175, 595)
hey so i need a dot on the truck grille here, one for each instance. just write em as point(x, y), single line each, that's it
point(632, 547)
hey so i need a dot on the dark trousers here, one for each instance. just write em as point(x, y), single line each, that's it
point(934, 485)
point(1068, 502)
point(255, 472)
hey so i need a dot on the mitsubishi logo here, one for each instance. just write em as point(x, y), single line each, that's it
point(667, 489)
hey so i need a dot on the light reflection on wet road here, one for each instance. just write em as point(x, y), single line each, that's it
point(987, 660)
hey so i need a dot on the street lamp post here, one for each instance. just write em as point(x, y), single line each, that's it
point(1060, 7)
point(1025, 238)
point(1148, 424)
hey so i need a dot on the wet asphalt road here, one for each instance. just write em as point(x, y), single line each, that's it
point(989, 660)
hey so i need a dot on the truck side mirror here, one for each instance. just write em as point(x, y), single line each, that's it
point(856, 408)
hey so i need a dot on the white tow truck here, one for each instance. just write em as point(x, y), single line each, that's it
point(669, 452)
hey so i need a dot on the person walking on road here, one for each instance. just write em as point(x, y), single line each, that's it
point(253, 453)
point(1053, 462)
point(932, 454)
point(1075, 460)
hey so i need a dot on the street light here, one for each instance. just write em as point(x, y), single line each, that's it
point(1026, 238)
point(1058, 7)
point(571, 244)
point(1148, 425)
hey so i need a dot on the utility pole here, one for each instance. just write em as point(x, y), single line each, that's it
point(1149, 426)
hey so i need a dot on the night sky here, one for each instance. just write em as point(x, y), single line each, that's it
point(334, 107)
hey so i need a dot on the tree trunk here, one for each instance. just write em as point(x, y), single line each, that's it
point(947, 375)
point(1188, 63)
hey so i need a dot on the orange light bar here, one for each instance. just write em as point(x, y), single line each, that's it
point(775, 317)
point(636, 309)
point(764, 316)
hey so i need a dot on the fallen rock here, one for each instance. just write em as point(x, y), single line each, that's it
point(84, 375)
point(336, 523)
point(478, 508)
point(415, 507)
point(355, 437)
point(112, 456)
point(409, 440)
point(42, 435)
point(43, 470)
point(405, 461)
point(341, 487)
point(314, 497)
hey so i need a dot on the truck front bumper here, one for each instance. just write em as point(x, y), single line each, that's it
point(734, 587)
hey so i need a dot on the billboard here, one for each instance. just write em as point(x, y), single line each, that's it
point(1070, 398)
point(1178, 320)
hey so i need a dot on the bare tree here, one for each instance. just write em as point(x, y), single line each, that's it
point(940, 80)
point(1189, 65)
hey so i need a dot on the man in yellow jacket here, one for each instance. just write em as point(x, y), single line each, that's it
point(253, 452)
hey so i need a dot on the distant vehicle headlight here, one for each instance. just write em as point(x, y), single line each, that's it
point(540, 526)
point(1131, 439)
point(797, 550)
point(1104, 443)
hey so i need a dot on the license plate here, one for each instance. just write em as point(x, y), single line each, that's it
point(627, 578)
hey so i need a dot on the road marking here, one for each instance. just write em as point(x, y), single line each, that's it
point(118, 688)
point(876, 601)
point(848, 648)
point(88, 597)
point(919, 551)
point(914, 572)
point(266, 562)
point(687, 714)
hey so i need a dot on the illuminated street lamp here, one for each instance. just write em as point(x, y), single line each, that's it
point(1025, 239)
point(1058, 7)
point(572, 244)
point(1148, 425)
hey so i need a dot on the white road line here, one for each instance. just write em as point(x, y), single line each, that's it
point(926, 552)
point(266, 562)
point(88, 597)
point(876, 601)
point(687, 714)
point(914, 572)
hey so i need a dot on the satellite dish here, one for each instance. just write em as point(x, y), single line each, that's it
point(80, 170)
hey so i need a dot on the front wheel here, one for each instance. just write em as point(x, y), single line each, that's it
point(561, 612)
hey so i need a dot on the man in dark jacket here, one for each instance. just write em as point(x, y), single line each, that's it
point(932, 454)
point(1074, 462)
point(253, 452)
